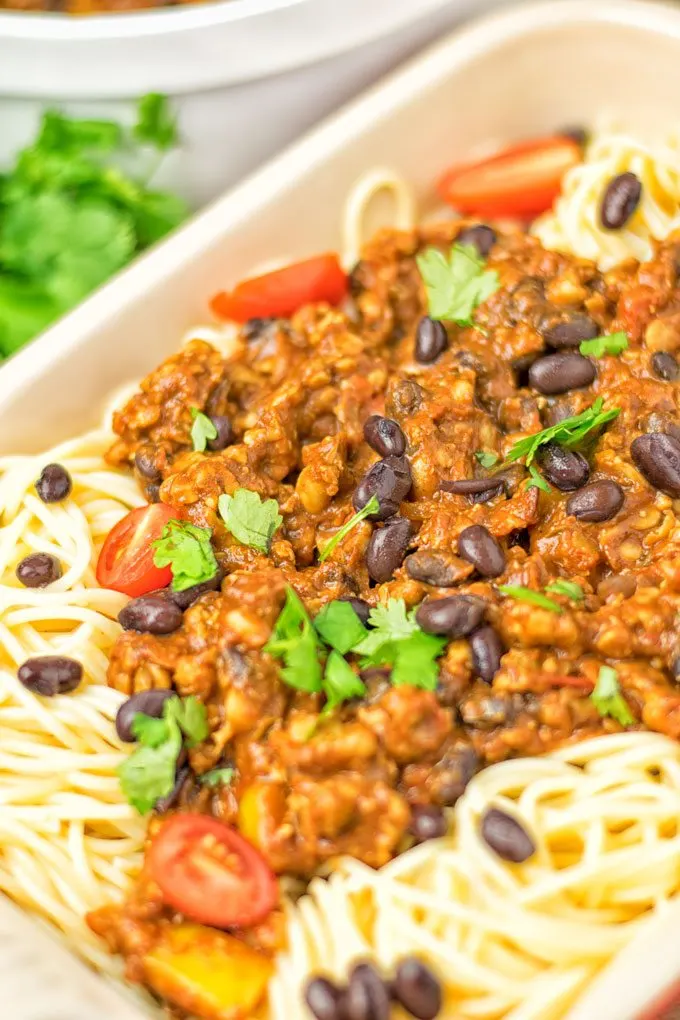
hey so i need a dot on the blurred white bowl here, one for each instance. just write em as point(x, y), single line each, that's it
point(247, 76)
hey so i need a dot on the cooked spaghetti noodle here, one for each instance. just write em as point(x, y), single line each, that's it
point(512, 941)
point(574, 226)
point(69, 841)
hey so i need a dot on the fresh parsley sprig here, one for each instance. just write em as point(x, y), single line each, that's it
point(149, 772)
point(396, 640)
point(250, 519)
point(536, 480)
point(456, 285)
point(186, 549)
point(339, 626)
point(295, 640)
point(202, 430)
point(613, 343)
point(608, 699)
point(570, 432)
point(371, 507)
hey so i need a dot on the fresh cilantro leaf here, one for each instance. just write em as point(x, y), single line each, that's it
point(250, 519)
point(517, 591)
point(202, 431)
point(608, 698)
point(25, 310)
point(614, 343)
point(218, 777)
point(371, 507)
point(486, 458)
point(339, 626)
point(67, 135)
point(149, 772)
point(570, 589)
point(295, 641)
point(458, 285)
point(156, 213)
point(537, 481)
point(340, 682)
point(156, 123)
point(186, 549)
point(568, 433)
point(397, 640)
point(416, 661)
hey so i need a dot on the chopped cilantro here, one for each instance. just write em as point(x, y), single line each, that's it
point(202, 430)
point(70, 218)
point(486, 458)
point(340, 682)
point(339, 626)
point(186, 549)
point(156, 123)
point(397, 640)
point(614, 343)
point(149, 772)
point(371, 507)
point(522, 594)
point(218, 777)
point(536, 480)
point(295, 641)
point(568, 433)
point(250, 519)
point(456, 285)
point(569, 589)
point(608, 698)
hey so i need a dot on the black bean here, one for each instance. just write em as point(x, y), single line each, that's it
point(478, 546)
point(387, 547)
point(417, 989)
point(431, 340)
point(559, 373)
point(384, 435)
point(483, 488)
point(153, 493)
point(665, 366)
point(565, 469)
point(360, 607)
point(506, 836)
point(453, 774)
point(324, 999)
point(145, 462)
point(50, 674)
point(660, 422)
point(480, 237)
point(427, 822)
point(455, 616)
point(38, 570)
point(620, 200)
point(151, 614)
point(487, 652)
point(597, 502)
point(145, 702)
point(434, 568)
point(355, 279)
point(366, 997)
point(390, 481)
point(188, 596)
point(254, 328)
point(54, 483)
point(225, 433)
point(170, 799)
point(572, 332)
point(657, 458)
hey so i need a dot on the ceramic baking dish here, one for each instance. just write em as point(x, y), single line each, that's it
point(522, 72)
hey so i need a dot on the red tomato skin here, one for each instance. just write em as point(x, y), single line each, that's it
point(280, 293)
point(521, 181)
point(174, 865)
point(125, 562)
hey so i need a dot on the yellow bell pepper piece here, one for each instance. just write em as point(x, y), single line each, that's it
point(207, 973)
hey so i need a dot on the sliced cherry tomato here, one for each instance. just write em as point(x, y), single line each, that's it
point(523, 180)
point(126, 560)
point(283, 291)
point(210, 873)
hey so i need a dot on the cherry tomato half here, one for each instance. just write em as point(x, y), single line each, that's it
point(126, 560)
point(281, 292)
point(523, 180)
point(210, 873)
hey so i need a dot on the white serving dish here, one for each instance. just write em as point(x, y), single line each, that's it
point(514, 74)
point(246, 76)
